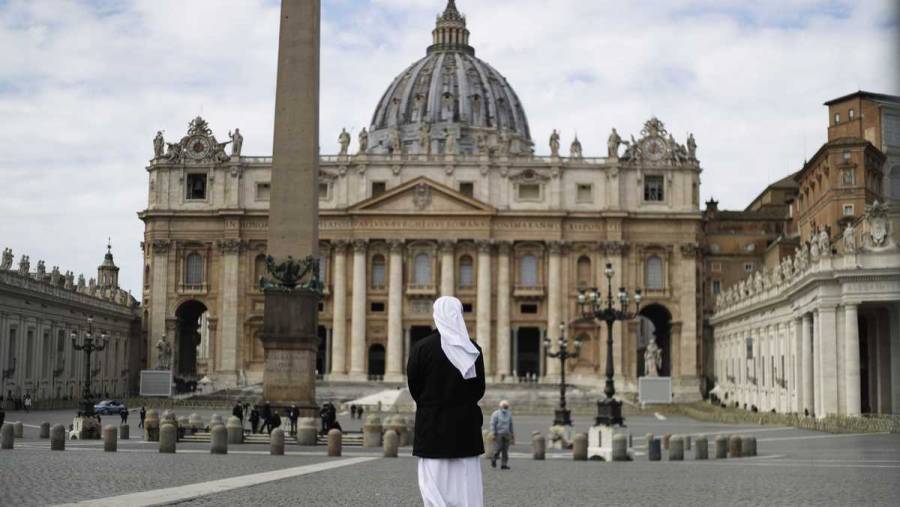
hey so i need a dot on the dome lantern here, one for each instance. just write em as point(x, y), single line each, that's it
point(451, 33)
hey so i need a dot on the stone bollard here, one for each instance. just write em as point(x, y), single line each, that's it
point(620, 448)
point(335, 441)
point(734, 447)
point(701, 448)
point(391, 444)
point(372, 431)
point(538, 446)
point(306, 431)
point(654, 451)
point(7, 437)
point(45, 430)
point(489, 441)
point(58, 438)
point(676, 449)
point(235, 431)
point(579, 447)
point(124, 432)
point(195, 422)
point(748, 446)
point(151, 426)
point(665, 441)
point(687, 442)
point(402, 430)
point(721, 447)
point(19, 429)
point(276, 442)
point(168, 435)
point(216, 419)
point(109, 438)
point(218, 440)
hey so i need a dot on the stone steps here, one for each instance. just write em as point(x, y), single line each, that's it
point(349, 439)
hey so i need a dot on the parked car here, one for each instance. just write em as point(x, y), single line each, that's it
point(109, 407)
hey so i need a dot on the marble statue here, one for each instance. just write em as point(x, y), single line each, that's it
point(81, 283)
point(425, 139)
point(396, 145)
point(878, 224)
point(237, 142)
point(575, 150)
point(612, 150)
point(554, 144)
point(691, 147)
point(503, 144)
point(159, 145)
point(450, 143)
point(6, 263)
point(41, 271)
point(55, 276)
point(70, 280)
point(652, 359)
point(363, 141)
point(164, 354)
point(814, 248)
point(849, 239)
point(824, 241)
point(173, 151)
point(481, 144)
point(344, 140)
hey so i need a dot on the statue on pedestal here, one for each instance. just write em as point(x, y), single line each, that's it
point(652, 359)
point(396, 145)
point(237, 142)
point(344, 140)
point(554, 144)
point(425, 139)
point(363, 141)
point(849, 239)
point(613, 144)
point(450, 143)
point(159, 145)
point(575, 150)
point(824, 242)
point(164, 354)
point(692, 147)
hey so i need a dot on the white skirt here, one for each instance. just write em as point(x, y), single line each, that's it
point(451, 482)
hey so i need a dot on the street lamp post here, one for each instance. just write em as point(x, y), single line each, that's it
point(609, 410)
point(91, 343)
point(562, 415)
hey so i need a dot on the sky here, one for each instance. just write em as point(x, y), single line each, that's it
point(85, 85)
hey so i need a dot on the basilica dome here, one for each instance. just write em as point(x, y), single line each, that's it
point(450, 92)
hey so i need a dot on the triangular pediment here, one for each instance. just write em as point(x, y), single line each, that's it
point(422, 196)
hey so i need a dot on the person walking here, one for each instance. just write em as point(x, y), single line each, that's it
point(359, 412)
point(352, 411)
point(123, 413)
point(265, 416)
point(293, 415)
point(502, 428)
point(445, 374)
point(238, 411)
point(143, 415)
point(254, 419)
point(27, 403)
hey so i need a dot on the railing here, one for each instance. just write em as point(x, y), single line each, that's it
point(528, 291)
point(441, 157)
point(421, 289)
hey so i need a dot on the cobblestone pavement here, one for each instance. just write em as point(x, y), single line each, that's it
point(794, 467)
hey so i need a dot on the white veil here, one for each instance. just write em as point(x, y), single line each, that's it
point(455, 341)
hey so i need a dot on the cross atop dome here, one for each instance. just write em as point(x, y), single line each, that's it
point(451, 13)
point(451, 34)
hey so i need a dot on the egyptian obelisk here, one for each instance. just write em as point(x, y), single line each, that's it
point(290, 327)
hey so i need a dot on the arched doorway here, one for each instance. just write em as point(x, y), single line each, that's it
point(655, 321)
point(187, 340)
point(528, 352)
point(376, 361)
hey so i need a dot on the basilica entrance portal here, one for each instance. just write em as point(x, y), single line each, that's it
point(528, 351)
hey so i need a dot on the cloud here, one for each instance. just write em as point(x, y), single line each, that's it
point(84, 85)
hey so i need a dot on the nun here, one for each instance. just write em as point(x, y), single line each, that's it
point(446, 379)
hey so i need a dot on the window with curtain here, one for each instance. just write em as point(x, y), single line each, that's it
point(378, 271)
point(193, 273)
point(654, 273)
point(422, 274)
point(528, 272)
point(584, 272)
point(466, 272)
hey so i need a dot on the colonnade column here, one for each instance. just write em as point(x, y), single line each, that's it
point(503, 336)
point(828, 360)
point(806, 368)
point(448, 283)
point(339, 311)
point(796, 358)
point(358, 313)
point(483, 304)
point(553, 303)
point(229, 319)
point(851, 359)
point(394, 370)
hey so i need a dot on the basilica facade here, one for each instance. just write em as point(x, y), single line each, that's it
point(443, 195)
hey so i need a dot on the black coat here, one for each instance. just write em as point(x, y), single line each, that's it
point(448, 418)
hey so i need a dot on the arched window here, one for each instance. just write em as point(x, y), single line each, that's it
point(528, 271)
point(378, 271)
point(653, 275)
point(193, 272)
point(466, 272)
point(584, 272)
point(422, 274)
point(895, 182)
point(259, 267)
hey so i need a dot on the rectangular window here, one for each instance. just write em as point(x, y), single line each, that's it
point(584, 193)
point(653, 189)
point(748, 267)
point(321, 307)
point(848, 210)
point(467, 188)
point(324, 189)
point(847, 156)
point(378, 188)
point(530, 192)
point(715, 267)
point(528, 309)
point(263, 191)
point(716, 287)
point(377, 308)
point(847, 176)
point(837, 118)
point(467, 307)
point(196, 186)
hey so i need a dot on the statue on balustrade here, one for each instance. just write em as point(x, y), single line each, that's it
point(6, 263)
point(554, 144)
point(344, 140)
point(612, 145)
point(575, 150)
point(849, 239)
point(237, 142)
point(363, 141)
point(159, 145)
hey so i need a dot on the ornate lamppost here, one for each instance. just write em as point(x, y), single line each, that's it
point(91, 343)
point(563, 416)
point(609, 410)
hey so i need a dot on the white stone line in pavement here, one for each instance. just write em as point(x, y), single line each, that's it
point(659, 416)
point(816, 437)
point(191, 491)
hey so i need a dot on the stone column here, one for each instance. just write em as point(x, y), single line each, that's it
point(689, 334)
point(554, 250)
point(828, 348)
point(229, 317)
point(158, 295)
point(483, 304)
point(796, 382)
point(503, 338)
point(806, 368)
point(851, 359)
point(448, 265)
point(339, 311)
point(394, 369)
point(358, 313)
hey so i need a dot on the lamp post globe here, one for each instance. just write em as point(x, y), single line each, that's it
point(562, 415)
point(90, 343)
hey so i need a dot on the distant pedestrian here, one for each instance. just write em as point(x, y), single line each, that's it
point(502, 428)
point(265, 416)
point(238, 411)
point(324, 415)
point(27, 403)
point(254, 419)
point(293, 415)
point(123, 413)
point(352, 411)
point(359, 412)
point(274, 421)
point(2, 415)
point(143, 415)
